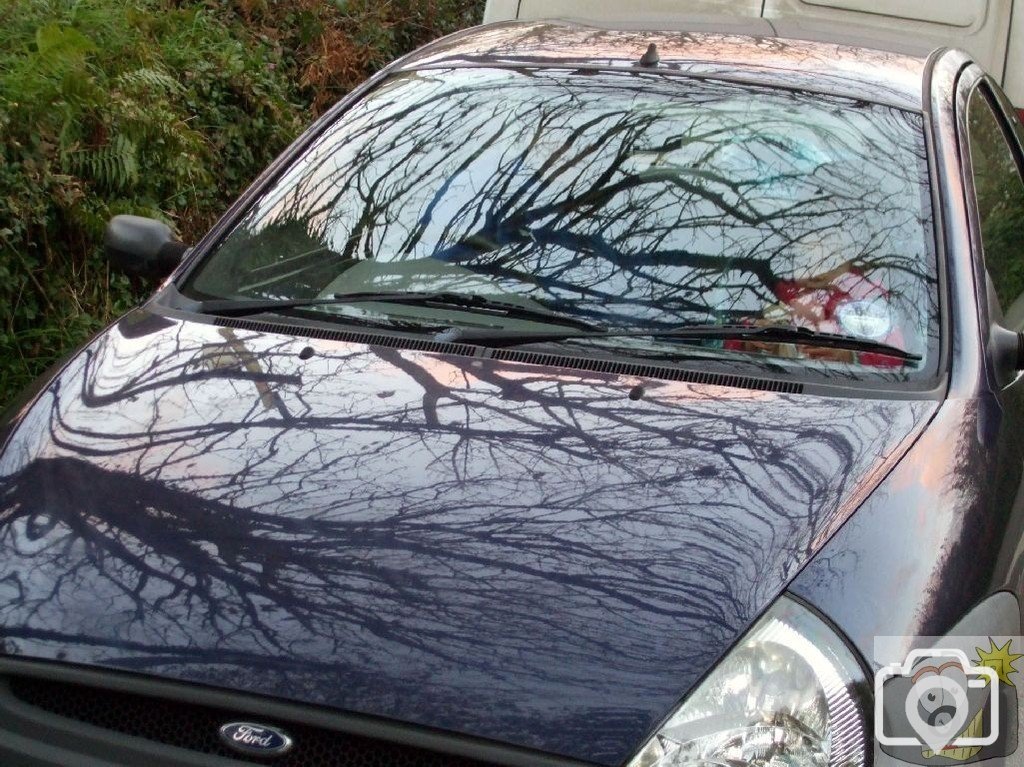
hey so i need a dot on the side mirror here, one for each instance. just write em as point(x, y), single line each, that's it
point(1007, 350)
point(142, 247)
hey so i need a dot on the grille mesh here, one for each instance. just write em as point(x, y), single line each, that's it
point(195, 727)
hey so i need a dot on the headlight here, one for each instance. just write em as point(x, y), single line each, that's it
point(790, 694)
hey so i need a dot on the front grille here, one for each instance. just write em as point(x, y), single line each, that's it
point(195, 727)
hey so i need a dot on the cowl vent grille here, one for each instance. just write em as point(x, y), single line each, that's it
point(194, 727)
point(640, 370)
point(349, 336)
point(590, 364)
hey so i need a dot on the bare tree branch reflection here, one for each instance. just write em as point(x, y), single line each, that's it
point(423, 533)
point(637, 199)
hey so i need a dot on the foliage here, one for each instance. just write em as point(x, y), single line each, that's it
point(162, 108)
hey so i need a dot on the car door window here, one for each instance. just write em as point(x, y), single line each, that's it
point(999, 198)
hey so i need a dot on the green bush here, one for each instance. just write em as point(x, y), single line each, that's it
point(159, 108)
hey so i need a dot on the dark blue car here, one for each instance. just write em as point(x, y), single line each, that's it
point(562, 397)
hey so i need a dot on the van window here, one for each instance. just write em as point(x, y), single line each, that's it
point(999, 198)
point(953, 13)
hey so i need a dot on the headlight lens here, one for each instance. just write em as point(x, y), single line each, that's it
point(791, 694)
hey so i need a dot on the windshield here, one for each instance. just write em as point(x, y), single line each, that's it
point(630, 200)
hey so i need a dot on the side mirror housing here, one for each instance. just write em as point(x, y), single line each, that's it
point(1007, 350)
point(142, 247)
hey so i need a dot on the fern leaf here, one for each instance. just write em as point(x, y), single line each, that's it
point(113, 166)
point(147, 78)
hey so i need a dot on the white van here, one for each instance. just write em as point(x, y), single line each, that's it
point(989, 30)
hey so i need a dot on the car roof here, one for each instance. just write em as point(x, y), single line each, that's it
point(752, 49)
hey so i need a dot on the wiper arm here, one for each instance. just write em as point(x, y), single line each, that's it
point(768, 333)
point(228, 307)
point(464, 301)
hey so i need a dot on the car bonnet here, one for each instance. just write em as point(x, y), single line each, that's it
point(520, 553)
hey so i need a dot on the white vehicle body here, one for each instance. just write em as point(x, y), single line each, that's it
point(992, 31)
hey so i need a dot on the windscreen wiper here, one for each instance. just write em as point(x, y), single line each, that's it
point(463, 301)
point(768, 333)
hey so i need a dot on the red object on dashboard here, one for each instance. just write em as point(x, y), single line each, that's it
point(816, 306)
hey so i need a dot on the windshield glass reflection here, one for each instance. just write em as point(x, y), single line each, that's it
point(629, 199)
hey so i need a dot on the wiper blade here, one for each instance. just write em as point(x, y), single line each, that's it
point(464, 301)
point(768, 333)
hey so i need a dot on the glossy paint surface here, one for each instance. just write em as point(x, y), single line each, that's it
point(941, 533)
point(520, 553)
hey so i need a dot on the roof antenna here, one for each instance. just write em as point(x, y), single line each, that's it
point(651, 58)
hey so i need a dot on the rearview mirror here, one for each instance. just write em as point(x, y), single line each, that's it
point(142, 247)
